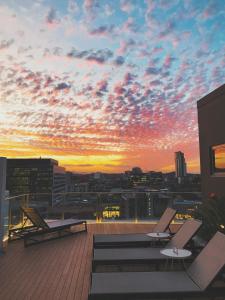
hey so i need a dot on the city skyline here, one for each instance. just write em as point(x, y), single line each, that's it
point(107, 85)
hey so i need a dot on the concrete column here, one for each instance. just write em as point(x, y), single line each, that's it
point(3, 206)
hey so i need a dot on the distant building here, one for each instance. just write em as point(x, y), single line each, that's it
point(156, 179)
point(98, 175)
point(160, 202)
point(211, 120)
point(36, 176)
point(81, 187)
point(180, 166)
point(169, 177)
point(136, 171)
point(69, 182)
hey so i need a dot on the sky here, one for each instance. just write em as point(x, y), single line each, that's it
point(107, 85)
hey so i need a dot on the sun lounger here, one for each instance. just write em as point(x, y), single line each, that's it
point(53, 229)
point(196, 281)
point(143, 255)
point(131, 240)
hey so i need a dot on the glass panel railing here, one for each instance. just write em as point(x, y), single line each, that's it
point(16, 217)
point(76, 205)
point(105, 206)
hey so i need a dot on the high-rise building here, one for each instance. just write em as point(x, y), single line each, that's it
point(211, 121)
point(36, 176)
point(180, 166)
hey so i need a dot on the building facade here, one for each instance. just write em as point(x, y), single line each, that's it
point(211, 121)
point(36, 176)
point(180, 166)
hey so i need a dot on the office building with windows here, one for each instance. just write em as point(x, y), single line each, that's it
point(41, 177)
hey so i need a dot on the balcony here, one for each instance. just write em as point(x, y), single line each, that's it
point(60, 269)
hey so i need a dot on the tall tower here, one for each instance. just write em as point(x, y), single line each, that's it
point(180, 166)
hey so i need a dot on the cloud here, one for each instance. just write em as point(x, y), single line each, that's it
point(102, 30)
point(169, 27)
point(91, 8)
point(168, 61)
point(6, 44)
point(108, 9)
point(130, 26)
point(119, 60)
point(83, 165)
point(201, 53)
point(100, 90)
point(51, 17)
point(57, 51)
point(125, 46)
point(157, 50)
point(73, 7)
point(119, 89)
point(152, 71)
point(210, 11)
point(77, 54)
point(98, 56)
point(102, 85)
point(128, 78)
point(62, 86)
point(126, 6)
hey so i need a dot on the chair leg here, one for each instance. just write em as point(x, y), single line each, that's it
point(85, 224)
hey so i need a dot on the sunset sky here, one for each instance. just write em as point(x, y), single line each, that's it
point(106, 85)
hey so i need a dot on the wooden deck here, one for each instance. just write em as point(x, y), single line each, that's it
point(58, 269)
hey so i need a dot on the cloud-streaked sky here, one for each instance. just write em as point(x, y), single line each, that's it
point(106, 85)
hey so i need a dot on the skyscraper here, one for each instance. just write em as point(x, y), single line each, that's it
point(180, 166)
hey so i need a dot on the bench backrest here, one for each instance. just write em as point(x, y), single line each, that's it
point(165, 220)
point(33, 215)
point(184, 234)
point(209, 262)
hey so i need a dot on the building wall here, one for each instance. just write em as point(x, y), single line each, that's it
point(41, 177)
point(3, 206)
point(59, 184)
point(211, 119)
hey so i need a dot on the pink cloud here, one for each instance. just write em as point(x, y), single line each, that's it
point(126, 6)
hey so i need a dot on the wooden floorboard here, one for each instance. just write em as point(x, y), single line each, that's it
point(58, 269)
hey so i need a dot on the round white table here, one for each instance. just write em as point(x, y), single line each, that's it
point(176, 253)
point(159, 235)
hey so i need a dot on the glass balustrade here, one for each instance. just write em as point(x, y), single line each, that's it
point(104, 206)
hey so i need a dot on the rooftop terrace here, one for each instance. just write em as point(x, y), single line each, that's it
point(58, 269)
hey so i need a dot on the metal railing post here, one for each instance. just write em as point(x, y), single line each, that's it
point(63, 210)
point(98, 209)
point(96, 212)
point(10, 213)
point(135, 209)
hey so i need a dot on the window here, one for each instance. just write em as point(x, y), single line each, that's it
point(218, 159)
